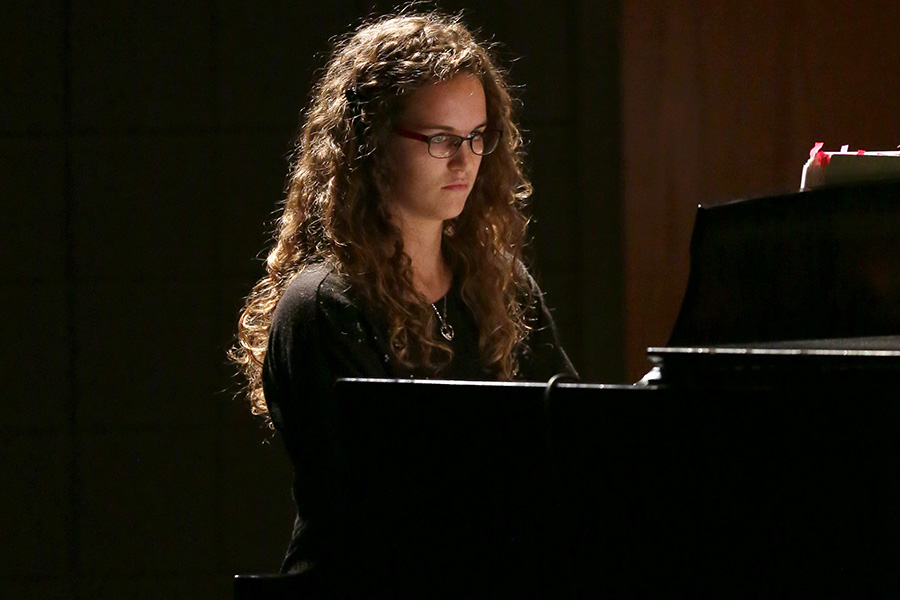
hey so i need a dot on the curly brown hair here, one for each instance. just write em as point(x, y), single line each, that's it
point(333, 210)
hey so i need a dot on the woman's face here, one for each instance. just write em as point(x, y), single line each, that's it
point(426, 189)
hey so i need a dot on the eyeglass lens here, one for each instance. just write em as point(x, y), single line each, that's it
point(444, 146)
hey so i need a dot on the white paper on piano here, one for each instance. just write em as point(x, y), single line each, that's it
point(829, 168)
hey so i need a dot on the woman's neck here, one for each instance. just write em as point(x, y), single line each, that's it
point(431, 274)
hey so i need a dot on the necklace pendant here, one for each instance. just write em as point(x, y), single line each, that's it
point(447, 332)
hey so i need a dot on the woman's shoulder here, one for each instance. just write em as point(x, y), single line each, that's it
point(316, 284)
point(320, 323)
point(317, 287)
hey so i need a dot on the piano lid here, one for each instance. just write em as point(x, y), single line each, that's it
point(812, 265)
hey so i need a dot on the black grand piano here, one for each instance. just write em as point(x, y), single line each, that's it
point(777, 400)
point(762, 461)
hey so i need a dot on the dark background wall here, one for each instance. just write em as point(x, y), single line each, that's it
point(142, 157)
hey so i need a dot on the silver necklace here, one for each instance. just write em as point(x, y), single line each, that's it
point(446, 328)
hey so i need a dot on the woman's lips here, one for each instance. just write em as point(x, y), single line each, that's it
point(459, 185)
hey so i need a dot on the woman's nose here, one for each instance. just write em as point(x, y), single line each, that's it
point(463, 157)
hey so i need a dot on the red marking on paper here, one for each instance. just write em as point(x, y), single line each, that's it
point(817, 147)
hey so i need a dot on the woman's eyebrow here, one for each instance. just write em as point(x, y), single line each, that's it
point(450, 129)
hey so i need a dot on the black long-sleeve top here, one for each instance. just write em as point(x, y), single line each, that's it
point(322, 331)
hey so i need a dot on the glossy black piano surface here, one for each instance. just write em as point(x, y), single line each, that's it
point(790, 364)
point(819, 264)
point(601, 491)
point(784, 366)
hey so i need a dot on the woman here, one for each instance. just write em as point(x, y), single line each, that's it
point(399, 251)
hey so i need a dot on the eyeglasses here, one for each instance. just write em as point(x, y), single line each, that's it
point(445, 145)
